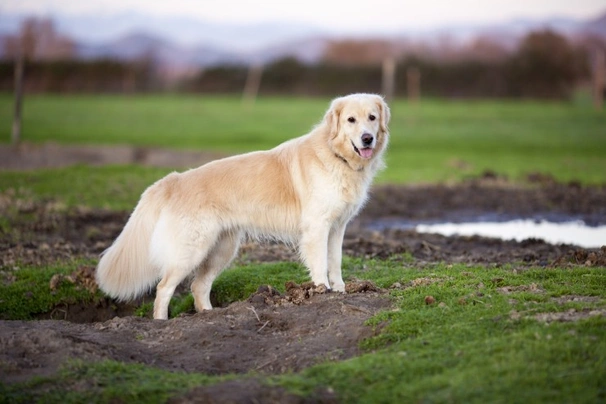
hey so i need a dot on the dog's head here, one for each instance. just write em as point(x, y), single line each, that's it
point(357, 126)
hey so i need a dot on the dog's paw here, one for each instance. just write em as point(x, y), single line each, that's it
point(338, 287)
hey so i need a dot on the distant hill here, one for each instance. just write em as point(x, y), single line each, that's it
point(142, 45)
point(185, 42)
point(596, 26)
point(188, 31)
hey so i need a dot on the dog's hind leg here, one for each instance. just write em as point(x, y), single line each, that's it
point(165, 289)
point(178, 256)
point(217, 260)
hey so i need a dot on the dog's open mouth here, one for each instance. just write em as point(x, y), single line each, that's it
point(365, 152)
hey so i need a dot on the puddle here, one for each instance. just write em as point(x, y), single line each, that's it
point(575, 232)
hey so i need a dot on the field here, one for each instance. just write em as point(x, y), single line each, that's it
point(426, 318)
point(432, 141)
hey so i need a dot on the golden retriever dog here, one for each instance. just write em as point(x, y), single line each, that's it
point(303, 192)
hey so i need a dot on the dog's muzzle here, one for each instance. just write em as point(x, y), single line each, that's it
point(367, 146)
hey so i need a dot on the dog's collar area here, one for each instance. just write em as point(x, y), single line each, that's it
point(341, 158)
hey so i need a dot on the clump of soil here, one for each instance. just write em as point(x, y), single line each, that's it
point(590, 258)
point(301, 294)
point(82, 278)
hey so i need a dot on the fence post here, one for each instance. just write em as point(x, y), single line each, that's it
point(599, 71)
point(19, 62)
point(389, 78)
point(413, 84)
point(253, 82)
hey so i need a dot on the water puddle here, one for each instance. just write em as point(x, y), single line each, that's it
point(575, 232)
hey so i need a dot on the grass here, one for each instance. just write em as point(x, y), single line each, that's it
point(110, 187)
point(105, 382)
point(481, 341)
point(432, 141)
point(27, 292)
point(476, 343)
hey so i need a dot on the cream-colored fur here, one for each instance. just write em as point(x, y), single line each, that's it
point(303, 191)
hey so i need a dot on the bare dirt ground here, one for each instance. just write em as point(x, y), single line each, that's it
point(269, 332)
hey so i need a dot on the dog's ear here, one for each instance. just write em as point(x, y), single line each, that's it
point(332, 116)
point(385, 115)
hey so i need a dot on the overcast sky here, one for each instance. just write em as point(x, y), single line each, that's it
point(344, 16)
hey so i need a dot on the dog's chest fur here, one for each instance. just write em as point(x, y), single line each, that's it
point(341, 192)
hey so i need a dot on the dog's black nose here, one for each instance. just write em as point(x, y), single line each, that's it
point(367, 139)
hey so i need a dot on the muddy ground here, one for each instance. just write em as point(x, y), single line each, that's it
point(269, 332)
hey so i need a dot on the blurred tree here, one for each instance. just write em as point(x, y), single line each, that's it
point(286, 74)
point(358, 52)
point(544, 66)
point(484, 48)
point(219, 79)
point(38, 40)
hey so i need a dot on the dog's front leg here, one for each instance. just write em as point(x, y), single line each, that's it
point(335, 251)
point(314, 252)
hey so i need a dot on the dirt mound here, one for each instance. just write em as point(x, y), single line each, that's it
point(266, 337)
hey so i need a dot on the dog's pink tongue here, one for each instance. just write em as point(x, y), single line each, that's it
point(366, 153)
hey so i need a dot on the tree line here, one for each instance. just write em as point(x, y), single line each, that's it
point(544, 65)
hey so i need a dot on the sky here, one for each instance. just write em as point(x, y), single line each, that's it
point(337, 16)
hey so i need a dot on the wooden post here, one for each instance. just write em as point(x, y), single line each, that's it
point(413, 84)
point(389, 78)
point(253, 82)
point(19, 62)
point(599, 82)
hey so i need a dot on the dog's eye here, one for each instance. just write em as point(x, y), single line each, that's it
point(372, 117)
point(351, 119)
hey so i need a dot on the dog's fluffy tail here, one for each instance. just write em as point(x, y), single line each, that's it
point(125, 270)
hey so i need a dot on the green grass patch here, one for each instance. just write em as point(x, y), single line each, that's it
point(110, 187)
point(482, 340)
point(180, 121)
point(26, 292)
point(433, 141)
point(105, 382)
point(446, 141)
point(478, 342)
